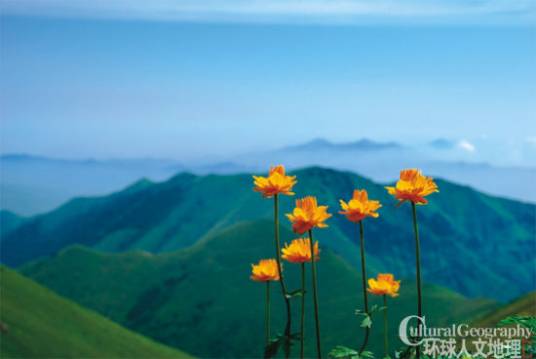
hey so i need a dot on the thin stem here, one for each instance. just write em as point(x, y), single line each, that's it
point(315, 295)
point(364, 282)
point(302, 326)
point(418, 265)
point(278, 259)
point(385, 327)
point(267, 313)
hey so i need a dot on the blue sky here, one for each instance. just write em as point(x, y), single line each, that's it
point(179, 79)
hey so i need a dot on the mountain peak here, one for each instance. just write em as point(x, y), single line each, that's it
point(21, 157)
point(442, 144)
point(362, 144)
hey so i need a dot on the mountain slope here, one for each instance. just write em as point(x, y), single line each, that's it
point(9, 221)
point(202, 300)
point(460, 227)
point(37, 323)
point(34, 184)
point(525, 305)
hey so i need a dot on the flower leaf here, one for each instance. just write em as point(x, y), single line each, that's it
point(273, 347)
point(342, 352)
point(525, 321)
point(295, 293)
point(366, 322)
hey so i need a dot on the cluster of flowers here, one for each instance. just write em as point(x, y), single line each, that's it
point(412, 187)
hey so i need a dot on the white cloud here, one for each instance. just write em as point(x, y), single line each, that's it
point(323, 11)
point(466, 146)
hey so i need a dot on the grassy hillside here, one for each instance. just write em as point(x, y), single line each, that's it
point(201, 299)
point(36, 323)
point(460, 227)
point(525, 305)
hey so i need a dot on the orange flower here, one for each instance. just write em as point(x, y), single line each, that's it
point(265, 270)
point(298, 251)
point(359, 207)
point(385, 284)
point(413, 186)
point(308, 214)
point(276, 182)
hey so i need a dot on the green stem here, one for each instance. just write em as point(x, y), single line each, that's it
point(267, 313)
point(385, 327)
point(315, 294)
point(418, 265)
point(302, 327)
point(278, 259)
point(364, 282)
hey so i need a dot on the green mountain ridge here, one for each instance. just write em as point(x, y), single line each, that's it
point(201, 299)
point(37, 323)
point(459, 227)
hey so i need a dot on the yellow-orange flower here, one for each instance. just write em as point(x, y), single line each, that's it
point(308, 214)
point(299, 251)
point(384, 284)
point(277, 182)
point(413, 186)
point(265, 270)
point(359, 207)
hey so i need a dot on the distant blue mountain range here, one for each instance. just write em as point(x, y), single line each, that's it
point(34, 184)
